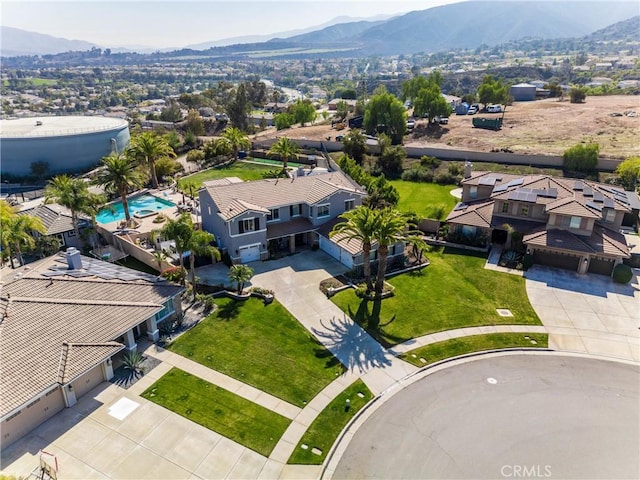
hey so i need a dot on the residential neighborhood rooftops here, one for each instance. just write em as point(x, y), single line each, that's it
point(55, 218)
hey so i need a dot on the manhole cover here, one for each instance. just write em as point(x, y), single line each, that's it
point(504, 312)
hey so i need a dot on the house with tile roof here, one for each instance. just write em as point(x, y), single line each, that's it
point(65, 324)
point(58, 223)
point(566, 223)
point(253, 219)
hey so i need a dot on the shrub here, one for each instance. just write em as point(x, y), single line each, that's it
point(527, 261)
point(207, 301)
point(174, 274)
point(581, 158)
point(429, 162)
point(577, 95)
point(454, 169)
point(361, 291)
point(622, 273)
point(445, 178)
point(418, 174)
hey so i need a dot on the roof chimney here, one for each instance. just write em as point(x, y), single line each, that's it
point(74, 259)
point(467, 169)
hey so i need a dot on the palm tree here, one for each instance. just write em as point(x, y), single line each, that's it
point(391, 227)
point(93, 204)
point(236, 139)
point(240, 274)
point(149, 147)
point(179, 230)
point(119, 174)
point(199, 243)
point(16, 235)
point(286, 148)
point(159, 256)
point(360, 225)
point(69, 192)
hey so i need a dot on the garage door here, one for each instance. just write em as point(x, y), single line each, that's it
point(602, 266)
point(89, 380)
point(249, 253)
point(31, 416)
point(329, 247)
point(556, 260)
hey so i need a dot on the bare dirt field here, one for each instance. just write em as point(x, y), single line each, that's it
point(545, 127)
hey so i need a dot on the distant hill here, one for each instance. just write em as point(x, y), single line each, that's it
point(626, 30)
point(17, 42)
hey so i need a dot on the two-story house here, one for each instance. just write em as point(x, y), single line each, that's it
point(566, 223)
point(253, 219)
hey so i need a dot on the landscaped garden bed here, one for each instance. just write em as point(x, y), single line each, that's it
point(217, 409)
point(263, 346)
point(454, 291)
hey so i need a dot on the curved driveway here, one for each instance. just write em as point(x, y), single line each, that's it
point(555, 416)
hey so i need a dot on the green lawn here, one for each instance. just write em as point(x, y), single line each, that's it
point(217, 409)
point(475, 343)
point(454, 291)
point(263, 346)
point(242, 170)
point(324, 430)
point(418, 197)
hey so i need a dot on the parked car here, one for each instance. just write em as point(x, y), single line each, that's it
point(472, 110)
point(339, 138)
point(411, 123)
point(494, 108)
point(443, 120)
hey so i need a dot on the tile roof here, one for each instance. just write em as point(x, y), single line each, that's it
point(571, 206)
point(350, 245)
point(233, 200)
point(478, 214)
point(54, 218)
point(53, 329)
point(281, 229)
point(602, 241)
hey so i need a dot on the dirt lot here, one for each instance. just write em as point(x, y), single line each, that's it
point(541, 127)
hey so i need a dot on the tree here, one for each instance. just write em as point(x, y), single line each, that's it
point(236, 140)
point(360, 224)
point(194, 122)
point(118, 174)
point(410, 88)
point(581, 158)
point(92, 206)
point(69, 192)
point(429, 102)
point(239, 108)
point(149, 147)
point(284, 120)
point(354, 145)
point(303, 112)
point(577, 95)
point(17, 235)
point(493, 90)
point(342, 110)
point(286, 149)
point(47, 245)
point(391, 159)
point(179, 230)
point(199, 243)
point(385, 111)
point(159, 256)
point(629, 173)
point(171, 113)
point(240, 275)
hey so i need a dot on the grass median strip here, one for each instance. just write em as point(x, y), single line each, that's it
point(263, 346)
point(475, 343)
point(219, 410)
point(324, 430)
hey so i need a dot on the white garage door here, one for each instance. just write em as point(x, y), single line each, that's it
point(249, 253)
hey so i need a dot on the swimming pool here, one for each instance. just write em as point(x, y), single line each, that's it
point(139, 203)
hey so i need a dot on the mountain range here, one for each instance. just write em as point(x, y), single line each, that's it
point(463, 25)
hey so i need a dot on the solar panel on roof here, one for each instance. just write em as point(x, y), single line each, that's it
point(500, 188)
point(578, 185)
point(459, 206)
point(517, 181)
point(608, 202)
point(594, 206)
point(487, 181)
point(588, 191)
point(597, 196)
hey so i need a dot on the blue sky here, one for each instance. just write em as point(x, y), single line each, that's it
point(164, 24)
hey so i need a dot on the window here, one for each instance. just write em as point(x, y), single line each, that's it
point(323, 210)
point(610, 216)
point(505, 207)
point(349, 205)
point(295, 210)
point(249, 225)
point(167, 309)
point(473, 191)
point(575, 222)
point(274, 214)
point(524, 210)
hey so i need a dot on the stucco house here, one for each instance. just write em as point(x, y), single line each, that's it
point(57, 221)
point(566, 223)
point(65, 323)
point(253, 219)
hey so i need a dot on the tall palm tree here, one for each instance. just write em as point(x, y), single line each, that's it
point(93, 204)
point(236, 139)
point(69, 192)
point(149, 147)
point(199, 243)
point(391, 227)
point(240, 274)
point(119, 173)
point(286, 148)
point(16, 235)
point(361, 225)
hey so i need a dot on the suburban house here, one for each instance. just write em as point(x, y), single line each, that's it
point(65, 323)
point(57, 222)
point(566, 223)
point(252, 220)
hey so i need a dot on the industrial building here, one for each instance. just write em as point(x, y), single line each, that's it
point(68, 144)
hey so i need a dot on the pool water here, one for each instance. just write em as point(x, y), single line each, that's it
point(142, 202)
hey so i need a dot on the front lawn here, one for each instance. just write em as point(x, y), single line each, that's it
point(242, 170)
point(454, 291)
point(475, 343)
point(418, 197)
point(324, 430)
point(217, 409)
point(263, 346)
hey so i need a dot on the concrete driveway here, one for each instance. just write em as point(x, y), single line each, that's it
point(587, 313)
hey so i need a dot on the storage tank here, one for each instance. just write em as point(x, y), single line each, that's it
point(68, 144)
point(523, 92)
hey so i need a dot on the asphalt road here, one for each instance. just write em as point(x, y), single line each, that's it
point(523, 416)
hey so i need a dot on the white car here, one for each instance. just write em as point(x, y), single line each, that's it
point(494, 109)
point(472, 111)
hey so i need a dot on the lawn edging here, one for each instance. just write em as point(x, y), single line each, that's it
point(411, 378)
